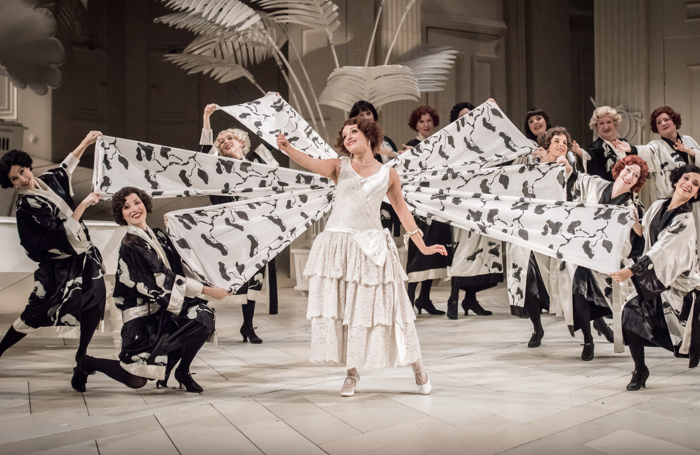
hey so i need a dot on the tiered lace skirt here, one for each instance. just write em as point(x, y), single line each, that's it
point(360, 313)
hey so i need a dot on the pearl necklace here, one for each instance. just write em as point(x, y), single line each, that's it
point(365, 165)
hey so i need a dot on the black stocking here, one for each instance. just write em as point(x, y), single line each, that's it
point(532, 306)
point(88, 323)
point(582, 315)
point(636, 345)
point(454, 294)
point(425, 290)
point(248, 313)
point(11, 338)
point(190, 352)
point(412, 292)
point(113, 369)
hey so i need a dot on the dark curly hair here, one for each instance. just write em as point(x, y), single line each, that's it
point(533, 113)
point(119, 199)
point(420, 112)
point(675, 117)
point(457, 108)
point(678, 172)
point(12, 158)
point(368, 128)
point(629, 160)
point(363, 106)
point(545, 139)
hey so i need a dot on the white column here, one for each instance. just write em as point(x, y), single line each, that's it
point(622, 57)
point(393, 117)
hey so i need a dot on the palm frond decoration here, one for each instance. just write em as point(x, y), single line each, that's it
point(220, 70)
point(377, 84)
point(248, 46)
point(429, 65)
point(228, 13)
point(315, 14)
point(193, 22)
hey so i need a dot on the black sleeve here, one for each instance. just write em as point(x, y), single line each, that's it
point(205, 148)
point(644, 279)
point(596, 166)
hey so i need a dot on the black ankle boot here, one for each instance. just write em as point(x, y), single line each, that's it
point(185, 379)
point(536, 338)
point(475, 307)
point(639, 380)
point(588, 351)
point(80, 375)
point(428, 306)
point(604, 329)
point(452, 312)
point(248, 332)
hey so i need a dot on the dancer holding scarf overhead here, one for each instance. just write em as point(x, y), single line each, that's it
point(360, 313)
point(68, 300)
point(234, 143)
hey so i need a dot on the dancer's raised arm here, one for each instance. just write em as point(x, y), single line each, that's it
point(326, 168)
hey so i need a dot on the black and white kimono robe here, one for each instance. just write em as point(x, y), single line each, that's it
point(477, 262)
point(159, 304)
point(662, 159)
point(70, 277)
point(595, 286)
point(252, 290)
point(663, 308)
point(601, 156)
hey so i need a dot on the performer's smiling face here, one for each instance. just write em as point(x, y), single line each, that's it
point(134, 212)
point(21, 177)
point(367, 115)
point(537, 124)
point(559, 146)
point(688, 185)
point(629, 176)
point(606, 128)
point(426, 126)
point(354, 140)
point(666, 127)
point(229, 146)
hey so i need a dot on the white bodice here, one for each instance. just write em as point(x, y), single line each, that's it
point(358, 200)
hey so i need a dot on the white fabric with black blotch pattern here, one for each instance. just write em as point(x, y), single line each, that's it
point(170, 172)
point(270, 115)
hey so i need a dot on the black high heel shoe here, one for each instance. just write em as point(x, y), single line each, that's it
point(604, 329)
point(639, 380)
point(427, 306)
point(163, 383)
point(452, 312)
point(536, 339)
point(248, 333)
point(187, 380)
point(588, 351)
point(80, 376)
point(475, 307)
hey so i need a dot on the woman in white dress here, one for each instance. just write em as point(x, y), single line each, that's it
point(359, 310)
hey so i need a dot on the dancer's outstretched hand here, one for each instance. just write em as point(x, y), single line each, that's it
point(621, 275)
point(215, 293)
point(282, 142)
point(432, 249)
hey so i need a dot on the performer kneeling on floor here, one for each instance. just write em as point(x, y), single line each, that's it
point(663, 310)
point(164, 319)
point(68, 300)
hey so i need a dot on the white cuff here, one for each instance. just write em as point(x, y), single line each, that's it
point(73, 226)
point(177, 294)
point(70, 163)
point(207, 137)
point(193, 288)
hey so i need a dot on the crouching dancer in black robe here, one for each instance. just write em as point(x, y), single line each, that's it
point(164, 319)
point(68, 299)
point(664, 310)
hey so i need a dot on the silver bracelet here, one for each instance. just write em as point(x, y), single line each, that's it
point(407, 236)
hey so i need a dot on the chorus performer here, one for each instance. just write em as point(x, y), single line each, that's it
point(663, 310)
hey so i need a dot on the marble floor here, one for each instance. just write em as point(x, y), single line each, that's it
point(491, 394)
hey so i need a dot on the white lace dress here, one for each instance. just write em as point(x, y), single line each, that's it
point(359, 310)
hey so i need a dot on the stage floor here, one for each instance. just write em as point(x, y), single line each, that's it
point(491, 394)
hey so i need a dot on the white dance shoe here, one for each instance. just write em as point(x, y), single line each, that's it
point(424, 389)
point(350, 391)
